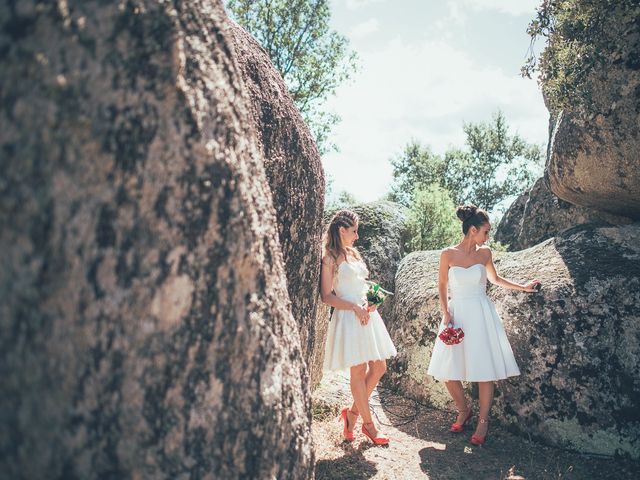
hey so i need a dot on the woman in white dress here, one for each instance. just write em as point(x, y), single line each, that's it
point(484, 355)
point(357, 338)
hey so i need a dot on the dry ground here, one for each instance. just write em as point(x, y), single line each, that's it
point(422, 447)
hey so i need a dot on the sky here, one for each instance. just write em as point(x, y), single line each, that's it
point(425, 68)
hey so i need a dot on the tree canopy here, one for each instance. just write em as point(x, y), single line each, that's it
point(493, 165)
point(312, 59)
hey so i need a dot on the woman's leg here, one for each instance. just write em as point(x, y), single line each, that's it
point(485, 392)
point(359, 392)
point(457, 393)
point(376, 370)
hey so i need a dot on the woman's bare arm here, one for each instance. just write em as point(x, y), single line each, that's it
point(443, 287)
point(493, 277)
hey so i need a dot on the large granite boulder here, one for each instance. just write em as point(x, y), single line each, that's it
point(538, 214)
point(577, 342)
point(594, 154)
point(383, 235)
point(296, 178)
point(145, 324)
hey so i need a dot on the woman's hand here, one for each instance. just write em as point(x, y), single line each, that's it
point(372, 307)
point(447, 319)
point(531, 286)
point(362, 314)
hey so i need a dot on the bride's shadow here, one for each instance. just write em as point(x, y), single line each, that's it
point(352, 464)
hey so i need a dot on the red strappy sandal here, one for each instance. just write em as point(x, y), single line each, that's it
point(477, 439)
point(346, 433)
point(376, 440)
point(459, 427)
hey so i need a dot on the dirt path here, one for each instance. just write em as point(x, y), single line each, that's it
point(423, 448)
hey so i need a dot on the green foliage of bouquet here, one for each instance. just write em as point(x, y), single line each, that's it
point(376, 294)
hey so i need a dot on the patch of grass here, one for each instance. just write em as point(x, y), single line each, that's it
point(321, 411)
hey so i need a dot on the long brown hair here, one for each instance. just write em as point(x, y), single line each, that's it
point(332, 244)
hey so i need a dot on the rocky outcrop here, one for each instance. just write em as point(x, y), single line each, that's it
point(508, 230)
point(146, 329)
point(576, 341)
point(538, 215)
point(594, 154)
point(413, 327)
point(296, 178)
point(382, 232)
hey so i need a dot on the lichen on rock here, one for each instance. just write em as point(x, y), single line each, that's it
point(146, 329)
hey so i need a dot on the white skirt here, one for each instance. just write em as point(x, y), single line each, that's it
point(350, 343)
point(484, 354)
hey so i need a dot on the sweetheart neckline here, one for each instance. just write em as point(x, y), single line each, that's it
point(342, 263)
point(467, 268)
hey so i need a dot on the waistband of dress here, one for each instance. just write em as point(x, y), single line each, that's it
point(355, 299)
point(456, 295)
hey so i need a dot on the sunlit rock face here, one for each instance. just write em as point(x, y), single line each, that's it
point(577, 342)
point(594, 150)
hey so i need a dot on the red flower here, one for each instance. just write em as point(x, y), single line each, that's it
point(451, 336)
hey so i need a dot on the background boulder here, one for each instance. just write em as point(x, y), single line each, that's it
point(538, 215)
point(577, 342)
point(295, 176)
point(594, 150)
point(508, 230)
point(146, 329)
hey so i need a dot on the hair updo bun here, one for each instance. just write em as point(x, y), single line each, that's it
point(471, 216)
point(465, 212)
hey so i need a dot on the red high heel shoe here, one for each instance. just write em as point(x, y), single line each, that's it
point(346, 433)
point(459, 427)
point(477, 439)
point(376, 440)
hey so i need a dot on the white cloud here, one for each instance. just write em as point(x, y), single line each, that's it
point(511, 7)
point(423, 91)
point(356, 4)
point(363, 29)
point(456, 13)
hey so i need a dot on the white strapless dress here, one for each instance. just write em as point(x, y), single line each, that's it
point(350, 343)
point(485, 353)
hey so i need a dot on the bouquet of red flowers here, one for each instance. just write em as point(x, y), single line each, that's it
point(451, 336)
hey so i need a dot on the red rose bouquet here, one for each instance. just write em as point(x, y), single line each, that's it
point(451, 336)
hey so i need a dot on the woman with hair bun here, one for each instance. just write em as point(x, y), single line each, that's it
point(357, 338)
point(485, 354)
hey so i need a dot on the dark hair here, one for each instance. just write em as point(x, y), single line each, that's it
point(471, 216)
